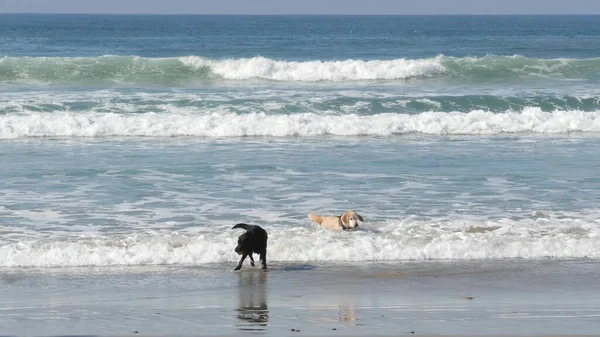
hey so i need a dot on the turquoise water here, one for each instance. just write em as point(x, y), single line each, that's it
point(142, 139)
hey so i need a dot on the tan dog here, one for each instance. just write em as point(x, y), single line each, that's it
point(346, 221)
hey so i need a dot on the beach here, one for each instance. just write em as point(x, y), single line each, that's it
point(479, 298)
point(130, 145)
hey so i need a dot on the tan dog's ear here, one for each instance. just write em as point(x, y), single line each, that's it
point(344, 218)
point(359, 217)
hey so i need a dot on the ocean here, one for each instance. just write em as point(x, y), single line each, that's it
point(141, 140)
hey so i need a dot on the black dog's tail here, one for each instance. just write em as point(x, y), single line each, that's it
point(242, 225)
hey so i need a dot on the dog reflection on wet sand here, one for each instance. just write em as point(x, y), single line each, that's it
point(252, 311)
point(346, 314)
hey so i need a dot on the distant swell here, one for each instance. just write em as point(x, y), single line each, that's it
point(223, 124)
point(190, 69)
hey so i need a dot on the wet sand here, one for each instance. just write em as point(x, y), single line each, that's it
point(483, 298)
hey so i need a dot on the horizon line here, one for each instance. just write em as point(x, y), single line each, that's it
point(302, 14)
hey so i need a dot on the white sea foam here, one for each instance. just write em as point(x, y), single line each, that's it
point(541, 236)
point(429, 102)
point(225, 124)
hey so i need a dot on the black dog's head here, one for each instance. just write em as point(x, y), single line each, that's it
point(240, 245)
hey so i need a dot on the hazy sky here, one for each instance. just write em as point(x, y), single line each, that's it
point(304, 6)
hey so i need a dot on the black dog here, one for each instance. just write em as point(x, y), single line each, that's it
point(253, 241)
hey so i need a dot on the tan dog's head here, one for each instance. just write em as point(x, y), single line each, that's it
point(350, 219)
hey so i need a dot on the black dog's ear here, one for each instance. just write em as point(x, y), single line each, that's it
point(360, 217)
point(241, 225)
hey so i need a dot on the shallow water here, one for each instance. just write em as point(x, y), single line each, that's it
point(112, 201)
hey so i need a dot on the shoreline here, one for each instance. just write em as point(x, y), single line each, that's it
point(475, 298)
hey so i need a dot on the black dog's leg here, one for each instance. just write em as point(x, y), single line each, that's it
point(263, 260)
point(251, 260)
point(239, 266)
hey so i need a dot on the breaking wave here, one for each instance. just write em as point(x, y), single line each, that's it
point(226, 124)
point(192, 69)
point(539, 237)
